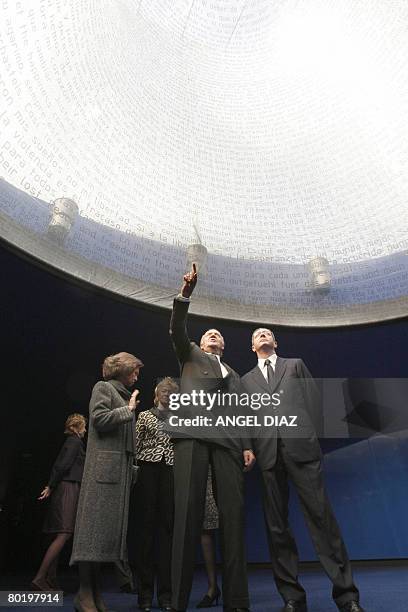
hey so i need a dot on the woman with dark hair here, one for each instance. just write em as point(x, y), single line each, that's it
point(101, 525)
point(63, 491)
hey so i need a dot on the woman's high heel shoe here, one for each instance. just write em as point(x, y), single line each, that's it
point(208, 602)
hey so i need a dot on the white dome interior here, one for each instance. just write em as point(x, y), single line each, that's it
point(270, 131)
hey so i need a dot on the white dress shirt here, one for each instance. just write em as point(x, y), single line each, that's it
point(224, 370)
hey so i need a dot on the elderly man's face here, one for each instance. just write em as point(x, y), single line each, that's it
point(212, 342)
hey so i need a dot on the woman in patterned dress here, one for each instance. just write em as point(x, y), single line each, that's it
point(155, 454)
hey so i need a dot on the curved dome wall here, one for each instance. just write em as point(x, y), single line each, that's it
point(272, 134)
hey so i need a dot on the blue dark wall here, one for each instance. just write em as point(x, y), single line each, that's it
point(54, 336)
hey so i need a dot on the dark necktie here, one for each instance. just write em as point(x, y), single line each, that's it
point(269, 372)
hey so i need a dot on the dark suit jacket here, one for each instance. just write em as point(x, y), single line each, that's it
point(201, 371)
point(300, 398)
point(69, 465)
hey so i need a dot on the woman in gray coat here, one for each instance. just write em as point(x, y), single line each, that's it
point(101, 523)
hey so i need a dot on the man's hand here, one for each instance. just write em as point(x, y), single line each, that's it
point(133, 402)
point(249, 460)
point(190, 281)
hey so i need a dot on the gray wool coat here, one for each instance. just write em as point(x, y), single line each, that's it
point(101, 522)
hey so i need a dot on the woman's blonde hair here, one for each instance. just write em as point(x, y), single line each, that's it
point(120, 364)
point(165, 383)
point(74, 423)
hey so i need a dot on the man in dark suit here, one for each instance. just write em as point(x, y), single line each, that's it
point(203, 369)
point(293, 454)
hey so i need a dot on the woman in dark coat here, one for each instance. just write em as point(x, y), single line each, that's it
point(63, 491)
point(101, 525)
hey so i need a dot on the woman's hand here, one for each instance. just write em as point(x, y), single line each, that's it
point(133, 402)
point(45, 493)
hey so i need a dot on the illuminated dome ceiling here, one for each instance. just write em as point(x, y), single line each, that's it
point(270, 132)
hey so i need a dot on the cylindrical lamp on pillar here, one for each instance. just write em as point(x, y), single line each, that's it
point(197, 253)
point(319, 272)
point(64, 213)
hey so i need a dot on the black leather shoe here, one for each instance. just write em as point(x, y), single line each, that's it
point(295, 606)
point(165, 606)
point(351, 606)
point(236, 609)
point(145, 606)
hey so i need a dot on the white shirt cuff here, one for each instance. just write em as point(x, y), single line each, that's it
point(181, 298)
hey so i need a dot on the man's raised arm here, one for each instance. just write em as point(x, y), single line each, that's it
point(178, 327)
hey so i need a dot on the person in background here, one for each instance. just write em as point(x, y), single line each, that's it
point(154, 452)
point(101, 524)
point(63, 491)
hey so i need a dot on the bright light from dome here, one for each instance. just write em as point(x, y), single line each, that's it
point(123, 107)
point(276, 131)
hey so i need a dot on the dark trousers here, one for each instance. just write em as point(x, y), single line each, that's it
point(191, 461)
point(155, 525)
point(324, 530)
point(124, 574)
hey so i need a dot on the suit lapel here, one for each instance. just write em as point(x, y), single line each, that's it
point(230, 370)
point(260, 379)
point(280, 368)
point(216, 368)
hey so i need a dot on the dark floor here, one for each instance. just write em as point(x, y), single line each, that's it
point(384, 588)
